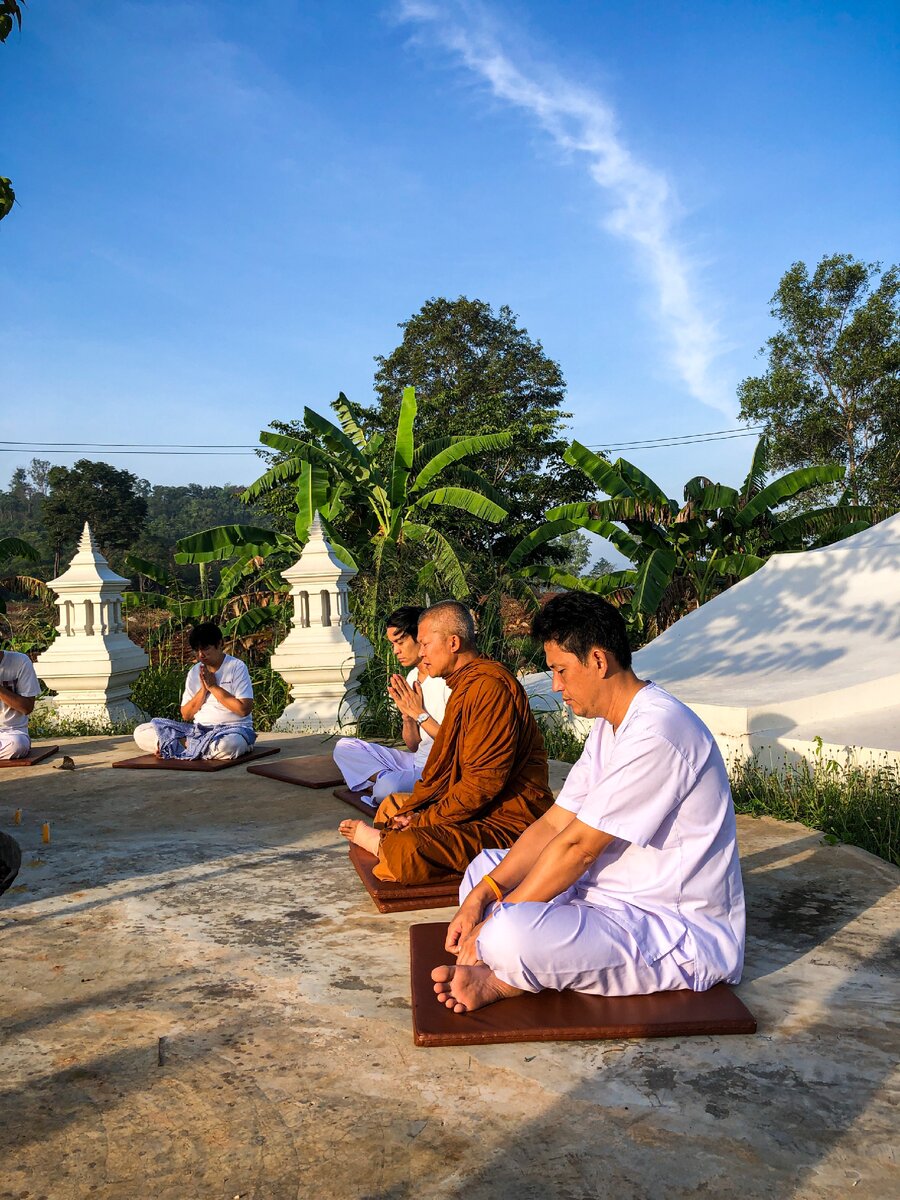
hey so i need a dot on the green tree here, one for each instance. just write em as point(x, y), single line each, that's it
point(112, 500)
point(686, 553)
point(831, 391)
point(477, 372)
point(10, 17)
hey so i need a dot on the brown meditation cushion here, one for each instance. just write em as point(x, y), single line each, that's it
point(561, 1016)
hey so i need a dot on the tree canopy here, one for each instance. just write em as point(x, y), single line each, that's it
point(831, 391)
point(112, 500)
point(478, 372)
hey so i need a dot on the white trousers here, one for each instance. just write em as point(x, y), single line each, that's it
point(568, 943)
point(229, 745)
point(14, 744)
point(358, 761)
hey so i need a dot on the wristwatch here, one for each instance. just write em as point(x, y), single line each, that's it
point(421, 718)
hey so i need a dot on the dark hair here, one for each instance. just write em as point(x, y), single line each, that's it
point(579, 621)
point(406, 619)
point(454, 618)
point(204, 635)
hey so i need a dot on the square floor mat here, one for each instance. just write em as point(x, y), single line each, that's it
point(356, 800)
point(312, 771)
point(37, 755)
point(149, 762)
point(561, 1016)
point(403, 897)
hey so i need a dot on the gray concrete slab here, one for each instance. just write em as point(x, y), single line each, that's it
point(218, 912)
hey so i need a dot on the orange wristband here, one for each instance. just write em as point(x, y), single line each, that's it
point(494, 886)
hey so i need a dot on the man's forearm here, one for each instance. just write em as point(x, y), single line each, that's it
point(411, 735)
point(561, 863)
point(232, 703)
point(193, 706)
point(524, 854)
point(22, 704)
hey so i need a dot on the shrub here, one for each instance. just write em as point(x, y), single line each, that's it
point(849, 803)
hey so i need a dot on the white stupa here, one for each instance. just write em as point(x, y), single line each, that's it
point(92, 663)
point(323, 655)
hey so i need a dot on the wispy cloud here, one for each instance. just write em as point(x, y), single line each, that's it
point(642, 207)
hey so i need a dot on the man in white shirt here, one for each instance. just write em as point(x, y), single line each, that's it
point(216, 706)
point(381, 770)
point(19, 688)
point(630, 883)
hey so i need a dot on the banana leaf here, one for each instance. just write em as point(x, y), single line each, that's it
point(348, 422)
point(822, 522)
point(151, 570)
point(477, 483)
point(537, 538)
point(146, 600)
point(652, 579)
point(580, 514)
point(13, 547)
point(458, 449)
point(280, 473)
point(228, 541)
point(356, 461)
point(741, 566)
point(715, 497)
point(462, 498)
point(404, 449)
point(598, 469)
point(759, 468)
point(443, 555)
point(786, 487)
point(427, 450)
point(643, 487)
point(312, 497)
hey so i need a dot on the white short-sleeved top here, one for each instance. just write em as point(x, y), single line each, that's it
point(435, 695)
point(659, 786)
point(234, 677)
point(17, 675)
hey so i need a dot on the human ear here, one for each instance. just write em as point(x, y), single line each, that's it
point(600, 661)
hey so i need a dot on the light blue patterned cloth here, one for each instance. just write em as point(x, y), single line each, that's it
point(198, 739)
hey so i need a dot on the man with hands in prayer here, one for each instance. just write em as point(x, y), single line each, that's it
point(630, 883)
point(378, 771)
point(216, 706)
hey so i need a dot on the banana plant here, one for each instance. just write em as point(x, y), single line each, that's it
point(13, 547)
point(368, 509)
point(250, 598)
point(685, 553)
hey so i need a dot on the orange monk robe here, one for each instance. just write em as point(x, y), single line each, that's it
point(484, 783)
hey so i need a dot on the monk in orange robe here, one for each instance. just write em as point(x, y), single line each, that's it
point(486, 777)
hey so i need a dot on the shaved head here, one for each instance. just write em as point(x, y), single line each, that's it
point(451, 618)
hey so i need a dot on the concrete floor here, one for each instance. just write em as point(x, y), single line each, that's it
point(218, 912)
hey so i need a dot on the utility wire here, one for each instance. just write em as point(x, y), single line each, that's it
point(231, 449)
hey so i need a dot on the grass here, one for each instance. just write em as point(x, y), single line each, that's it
point(560, 739)
point(849, 803)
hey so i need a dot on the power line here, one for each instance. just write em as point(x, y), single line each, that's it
point(688, 439)
point(231, 449)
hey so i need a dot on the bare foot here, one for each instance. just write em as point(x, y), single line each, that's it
point(360, 834)
point(463, 989)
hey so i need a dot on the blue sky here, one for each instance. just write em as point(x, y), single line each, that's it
point(226, 209)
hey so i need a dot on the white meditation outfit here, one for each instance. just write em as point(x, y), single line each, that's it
point(663, 905)
point(234, 677)
point(17, 675)
point(395, 770)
